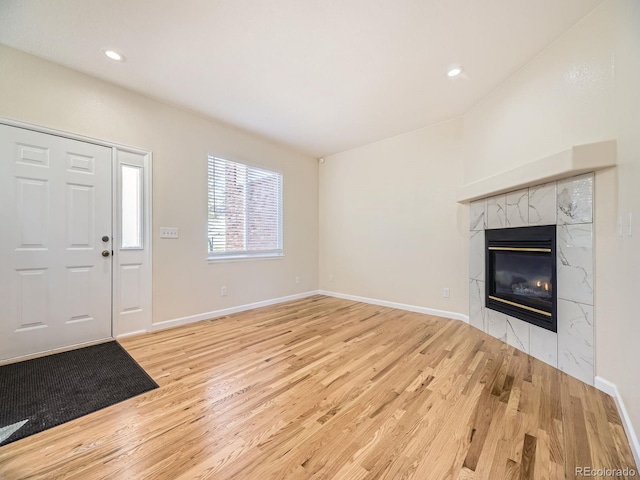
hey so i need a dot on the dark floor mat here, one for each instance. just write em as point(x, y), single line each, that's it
point(55, 389)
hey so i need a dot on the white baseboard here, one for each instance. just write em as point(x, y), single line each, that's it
point(250, 306)
point(131, 334)
point(401, 306)
point(612, 389)
point(228, 311)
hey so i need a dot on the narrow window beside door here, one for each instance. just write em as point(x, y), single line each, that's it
point(245, 210)
point(131, 206)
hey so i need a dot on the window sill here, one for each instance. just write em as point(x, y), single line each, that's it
point(243, 258)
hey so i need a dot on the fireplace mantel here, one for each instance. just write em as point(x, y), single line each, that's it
point(568, 163)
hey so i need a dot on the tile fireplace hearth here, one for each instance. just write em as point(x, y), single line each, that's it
point(567, 207)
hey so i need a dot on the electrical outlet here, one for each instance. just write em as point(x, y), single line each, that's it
point(223, 291)
point(297, 278)
point(446, 293)
point(169, 232)
point(331, 277)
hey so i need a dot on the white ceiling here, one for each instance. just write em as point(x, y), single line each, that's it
point(320, 75)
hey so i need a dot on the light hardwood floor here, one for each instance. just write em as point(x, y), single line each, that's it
point(329, 388)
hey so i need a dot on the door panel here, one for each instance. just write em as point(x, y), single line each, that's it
point(33, 212)
point(80, 217)
point(131, 292)
point(33, 298)
point(79, 298)
point(55, 207)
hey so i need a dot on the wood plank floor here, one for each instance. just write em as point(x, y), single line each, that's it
point(326, 388)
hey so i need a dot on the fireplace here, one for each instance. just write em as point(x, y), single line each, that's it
point(521, 274)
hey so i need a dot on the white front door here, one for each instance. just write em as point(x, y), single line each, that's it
point(55, 242)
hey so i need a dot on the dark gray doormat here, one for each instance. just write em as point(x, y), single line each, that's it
point(44, 392)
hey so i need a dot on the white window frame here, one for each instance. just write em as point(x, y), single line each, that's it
point(255, 254)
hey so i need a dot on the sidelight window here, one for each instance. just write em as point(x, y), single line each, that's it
point(131, 217)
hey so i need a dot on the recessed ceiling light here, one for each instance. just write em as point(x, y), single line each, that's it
point(454, 71)
point(113, 55)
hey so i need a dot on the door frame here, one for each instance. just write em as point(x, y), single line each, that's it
point(144, 323)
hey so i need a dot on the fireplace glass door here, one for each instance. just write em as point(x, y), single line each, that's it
point(523, 278)
point(521, 274)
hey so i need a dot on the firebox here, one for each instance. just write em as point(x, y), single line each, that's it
point(521, 274)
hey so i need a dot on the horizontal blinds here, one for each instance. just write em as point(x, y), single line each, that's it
point(245, 209)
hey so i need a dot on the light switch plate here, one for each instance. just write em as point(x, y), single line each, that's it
point(169, 232)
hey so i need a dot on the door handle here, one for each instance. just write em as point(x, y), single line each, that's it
point(106, 253)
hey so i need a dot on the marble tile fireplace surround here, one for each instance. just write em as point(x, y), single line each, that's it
point(567, 204)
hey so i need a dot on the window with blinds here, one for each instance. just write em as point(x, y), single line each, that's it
point(245, 210)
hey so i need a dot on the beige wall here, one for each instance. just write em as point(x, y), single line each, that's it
point(390, 228)
point(562, 98)
point(389, 225)
point(43, 93)
point(580, 90)
point(618, 259)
